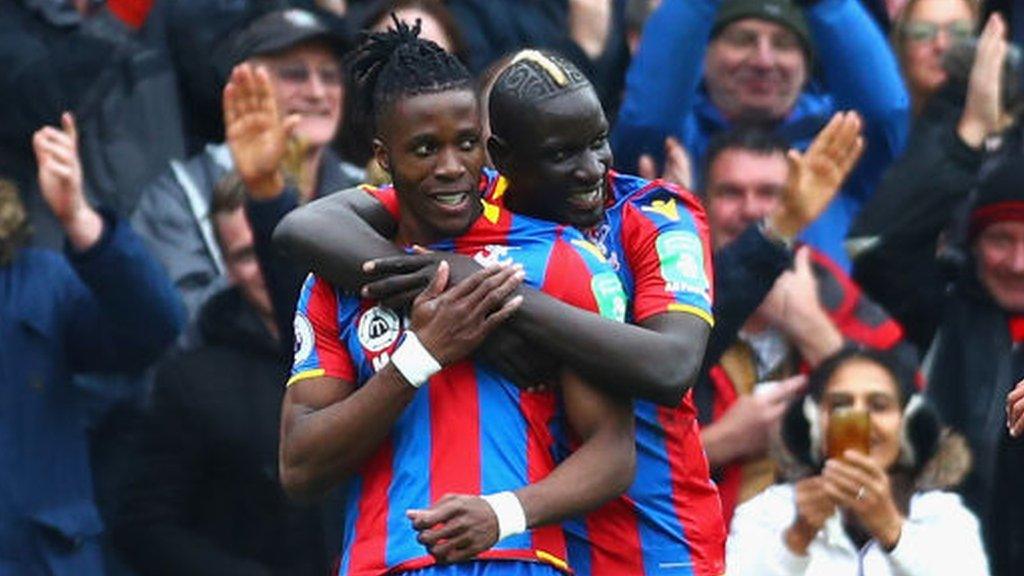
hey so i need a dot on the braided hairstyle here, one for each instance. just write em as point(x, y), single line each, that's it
point(395, 64)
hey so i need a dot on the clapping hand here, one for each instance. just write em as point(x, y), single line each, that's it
point(816, 175)
point(590, 22)
point(60, 182)
point(794, 307)
point(678, 168)
point(1015, 410)
point(983, 113)
point(794, 297)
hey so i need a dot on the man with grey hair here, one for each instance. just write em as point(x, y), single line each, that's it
point(300, 58)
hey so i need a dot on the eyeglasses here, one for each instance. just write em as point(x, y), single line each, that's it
point(920, 32)
point(299, 74)
point(744, 39)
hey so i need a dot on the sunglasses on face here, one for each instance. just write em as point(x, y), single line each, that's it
point(299, 74)
point(957, 31)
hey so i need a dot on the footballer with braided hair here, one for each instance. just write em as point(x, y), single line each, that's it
point(550, 141)
point(395, 63)
point(448, 467)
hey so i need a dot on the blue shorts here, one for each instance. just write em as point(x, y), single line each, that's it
point(487, 568)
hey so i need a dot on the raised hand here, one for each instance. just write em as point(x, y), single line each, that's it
point(256, 134)
point(816, 175)
point(452, 323)
point(678, 168)
point(746, 428)
point(337, 7)
point(1015, 410)
point(859, 485)
point(795, 292)
point(589, 24)
point(60, 182)
point(456, 528)
point(793, 306)
point(983, 113)
point(814, 506)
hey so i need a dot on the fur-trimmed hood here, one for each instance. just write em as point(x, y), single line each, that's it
point(946, 469)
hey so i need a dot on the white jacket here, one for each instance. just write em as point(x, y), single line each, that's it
point(940, 537)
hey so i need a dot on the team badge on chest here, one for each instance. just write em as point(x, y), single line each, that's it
point(378, 328)
point(494, 255)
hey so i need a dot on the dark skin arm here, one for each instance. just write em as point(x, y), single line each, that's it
point(461, 526)
point(336, 235)
point(351, 219)
point(657, 360)
point(329, 427)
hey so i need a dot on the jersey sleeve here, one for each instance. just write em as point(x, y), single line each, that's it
point(493, 187)
point(578, 274)
point(318, 348)
point(387, 197)
point(667, 246)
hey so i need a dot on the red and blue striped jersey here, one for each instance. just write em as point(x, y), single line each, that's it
point(469, 430)
point(670, 520)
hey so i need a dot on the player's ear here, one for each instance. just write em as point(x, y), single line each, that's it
point(499, 152)
point(380, 154)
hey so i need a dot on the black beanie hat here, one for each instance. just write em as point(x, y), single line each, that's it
point(783, 12)
point(1000, 197)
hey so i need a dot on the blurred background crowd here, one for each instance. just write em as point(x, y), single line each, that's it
point(141, 372)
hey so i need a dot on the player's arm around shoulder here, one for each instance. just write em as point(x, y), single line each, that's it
point(336, 234)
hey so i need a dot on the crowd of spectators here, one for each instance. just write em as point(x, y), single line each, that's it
point(861, 164)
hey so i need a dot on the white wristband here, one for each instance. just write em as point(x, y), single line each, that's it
point(510, 513)
point(413, 361)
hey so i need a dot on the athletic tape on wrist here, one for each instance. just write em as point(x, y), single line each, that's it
point(413, 361)
point(510, 513)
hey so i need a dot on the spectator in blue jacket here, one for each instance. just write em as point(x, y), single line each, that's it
point(757, 60)
point(106, 307)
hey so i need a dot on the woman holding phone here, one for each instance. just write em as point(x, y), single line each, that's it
point(875, 508)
